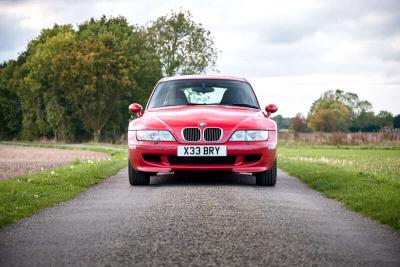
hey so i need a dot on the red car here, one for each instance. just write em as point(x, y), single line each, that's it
point(202, 123)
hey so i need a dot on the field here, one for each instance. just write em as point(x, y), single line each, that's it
point(381, 139)
point(23, 195)
point(366, 180)
point(23, 160)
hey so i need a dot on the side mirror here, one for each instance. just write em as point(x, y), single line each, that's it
point(136, 108)
point(271, 108)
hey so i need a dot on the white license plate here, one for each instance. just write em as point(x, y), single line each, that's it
point(201, 151)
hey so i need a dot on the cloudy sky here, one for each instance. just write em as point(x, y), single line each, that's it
point(291, 51)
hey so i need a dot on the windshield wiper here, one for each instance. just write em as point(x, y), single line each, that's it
point(243, 105)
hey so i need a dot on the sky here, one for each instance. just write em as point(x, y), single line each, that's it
point(290, 51)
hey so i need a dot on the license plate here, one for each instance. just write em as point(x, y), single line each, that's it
point(201, 151)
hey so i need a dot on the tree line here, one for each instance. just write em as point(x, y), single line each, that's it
point(75, 84)
point(339, 111)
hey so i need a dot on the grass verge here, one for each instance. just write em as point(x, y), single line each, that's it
point(22, 196)
point(364, 180)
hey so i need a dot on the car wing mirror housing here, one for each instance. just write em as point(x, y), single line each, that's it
point(269, 109)
point(137, 109)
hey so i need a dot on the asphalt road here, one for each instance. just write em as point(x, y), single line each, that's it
point(199, 221)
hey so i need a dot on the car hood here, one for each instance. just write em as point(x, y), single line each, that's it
point(228, 118)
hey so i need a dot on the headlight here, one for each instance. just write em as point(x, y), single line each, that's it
point(250, 135)
point(154, 135)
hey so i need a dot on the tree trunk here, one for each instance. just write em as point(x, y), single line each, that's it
point(96, 135)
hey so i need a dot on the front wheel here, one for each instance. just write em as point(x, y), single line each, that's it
point(136, 177)
point(267, 178)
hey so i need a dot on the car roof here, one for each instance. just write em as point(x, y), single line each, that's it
point(201, 77)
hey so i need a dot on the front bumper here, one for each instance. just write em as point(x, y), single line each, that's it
point(241, 157)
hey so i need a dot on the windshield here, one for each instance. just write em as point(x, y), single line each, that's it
point(203, 92)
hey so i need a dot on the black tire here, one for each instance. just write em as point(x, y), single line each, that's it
point(267, 178)
point(136, 177)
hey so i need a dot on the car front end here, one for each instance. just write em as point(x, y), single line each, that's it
point(199, 123)
point(242, 156)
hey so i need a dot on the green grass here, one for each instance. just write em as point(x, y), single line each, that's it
point(22, 196)
point(366, 179)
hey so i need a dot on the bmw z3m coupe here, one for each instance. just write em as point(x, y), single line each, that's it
point(202, 123)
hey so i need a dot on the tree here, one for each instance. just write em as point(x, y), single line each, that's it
point(183, 46)
point(335, 118)
point(56, 116)
point(30, 81)
point(335, 102)
point(10, 106)
point(299, 123)
point(396, 122)
point(93, 79)
point(104, 69)
point(349, 99)
point(69, 83)
point(282, 123)
point(366, 122)
point(384, 119)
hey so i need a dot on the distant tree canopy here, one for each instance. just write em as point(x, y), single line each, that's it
point(339, 111)
point(281, 122)
point(10, 105)
point(384, 119)
point(76, 84)
point(299, 123)
point(344, 111)
point(396, 122)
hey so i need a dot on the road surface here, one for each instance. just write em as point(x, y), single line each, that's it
point(199, 221)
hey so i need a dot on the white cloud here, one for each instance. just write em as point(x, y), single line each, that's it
point(292, 51)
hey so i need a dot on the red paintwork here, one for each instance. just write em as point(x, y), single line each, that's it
point(271, 108)
point(201, 77)
point(136, 108)
point(229, 118)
